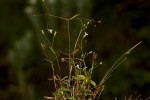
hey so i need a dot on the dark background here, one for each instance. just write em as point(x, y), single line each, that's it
point(24, 73)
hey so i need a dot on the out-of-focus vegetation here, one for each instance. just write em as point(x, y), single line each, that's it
point(23, 72)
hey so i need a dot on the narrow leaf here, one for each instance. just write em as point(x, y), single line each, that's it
point(74, 16)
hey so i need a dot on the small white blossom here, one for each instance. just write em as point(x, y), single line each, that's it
point(77, 66)
point(50, 30)
point(85, 35)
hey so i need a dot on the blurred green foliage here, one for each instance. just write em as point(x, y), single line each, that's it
point(23, 73)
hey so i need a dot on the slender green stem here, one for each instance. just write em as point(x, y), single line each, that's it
point(53, 51)
point(117, 63)
point(69, 52)
point(78, 37)
point(54, 77)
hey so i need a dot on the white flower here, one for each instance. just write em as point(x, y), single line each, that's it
point(50, 30)
point(77, 66)
point(85, 35)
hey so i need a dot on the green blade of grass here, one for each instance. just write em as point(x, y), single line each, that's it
point(115, 65)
